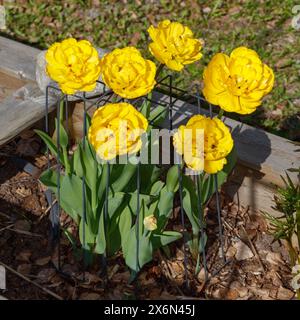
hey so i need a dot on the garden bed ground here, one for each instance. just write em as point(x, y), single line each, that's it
point(257, 268)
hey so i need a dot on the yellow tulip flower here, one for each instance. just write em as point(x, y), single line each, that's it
point(237, 83)
point(127, 73)
point(218, 144)
point(116, 129)
point(74, 65)
point(173, 45)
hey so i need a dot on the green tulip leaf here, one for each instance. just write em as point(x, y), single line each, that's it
point(87, 238)
point(172, 179)
point(50, 144)
point(63, 136)
point(101, 239)
point(165, 238)
point(190, 202)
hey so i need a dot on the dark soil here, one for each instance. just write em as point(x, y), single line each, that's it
point(255, 269)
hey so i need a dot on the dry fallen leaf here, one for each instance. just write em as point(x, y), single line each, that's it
point(155, 293)
point(28, 147)
point(167, 296)
point(32, 204)
point(42, 261)
point(146, 280)
point(243, 252)
point(285, 294)
point(232, 294)
point(23, 192)
point(24, 255)
point(201, 275)
point(260, 293)
point(274, 277)
point(242, 290)
point(113, 271)
point(45, 275)
point(274, 258)
point(121, 277)
point(218, 294)
point(91, 278)
point(24, 268)
point(231, 252)
point(90, 296)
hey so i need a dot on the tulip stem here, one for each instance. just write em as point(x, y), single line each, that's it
point(148, 105)
point(292, 252)
point(220, 115)
point(158, 70)
point(61, 111)
point(66, 160)
point(201, 245)
point(64, 149)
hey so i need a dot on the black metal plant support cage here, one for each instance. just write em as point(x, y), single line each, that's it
point(166, 85)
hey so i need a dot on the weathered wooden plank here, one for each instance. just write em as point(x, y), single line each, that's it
point(21, 110)
point(9, 84)
point(17, 58)
point(21, 104)
point(246, 188)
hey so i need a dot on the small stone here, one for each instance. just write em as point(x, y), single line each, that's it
point(243, 251)
point(206, 10)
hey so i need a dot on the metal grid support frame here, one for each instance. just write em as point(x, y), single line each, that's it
point(175, 94)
